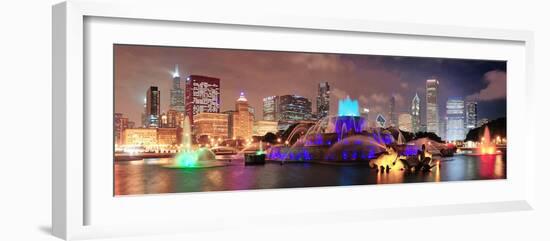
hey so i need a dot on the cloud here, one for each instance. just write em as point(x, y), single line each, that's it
point(496, 86)
point(339, 93)
point(325, 62)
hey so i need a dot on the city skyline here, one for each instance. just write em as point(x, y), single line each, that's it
point(357, 73)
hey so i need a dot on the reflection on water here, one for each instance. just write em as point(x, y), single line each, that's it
point(148, 176)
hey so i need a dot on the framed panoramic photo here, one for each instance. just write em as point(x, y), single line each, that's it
point(227, 119)
point(160, 118)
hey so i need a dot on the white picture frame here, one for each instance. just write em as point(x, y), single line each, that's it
point(75, 198)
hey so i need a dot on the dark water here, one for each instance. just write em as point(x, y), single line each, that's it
point(149, 176)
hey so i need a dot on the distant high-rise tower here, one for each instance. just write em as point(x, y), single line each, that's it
point(415, 114)
point(364, 112)
point(432, 109)
point(243, 120)
point(177, 97)
point(471, 115)
point(271, 108)
point(393, 115)
point(455, 119)
point(294, 108)
point(152, 107)
point(202, 94)
point(323, 100)
point(144, 114)
point(405, 122)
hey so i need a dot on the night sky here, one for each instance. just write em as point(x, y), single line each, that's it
point(368, 78)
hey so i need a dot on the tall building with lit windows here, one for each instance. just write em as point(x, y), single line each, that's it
point(471, 115)
point(152, 107)
point(405, 122)
point(271, 108)
point(202, 94)
point(455, 120)
point(243, 121)
point(323, 100)
point(393, 115)
point(432, 108)
point(415, 114)
point(294, 108)
point(177, 93)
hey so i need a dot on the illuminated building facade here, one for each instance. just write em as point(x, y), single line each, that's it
point(262, 127)
point(140, 136)
point(168, 136)
point(121, 124)
point(471, 115)
point(432, 108)
point(152, 107)
point(152, 136)
point(214, 125)
point(455, 120)
point(364, 112)
point(202, 94)
point(405, 122)
point(271, 108)
point(393, 116)
point(323, 100)
point(294, 108)
point(170, 119)
point(415, 114)
point(230, 114)
point(243, 120)
point(177, 97)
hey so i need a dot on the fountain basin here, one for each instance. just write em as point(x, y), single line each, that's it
point(205, 164)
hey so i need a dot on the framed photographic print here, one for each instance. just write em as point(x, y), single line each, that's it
point(232, 123)
point(160, 118)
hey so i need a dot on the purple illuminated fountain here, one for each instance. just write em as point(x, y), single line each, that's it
point(344, 138)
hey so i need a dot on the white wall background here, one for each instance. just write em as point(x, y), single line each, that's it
point(25, 93)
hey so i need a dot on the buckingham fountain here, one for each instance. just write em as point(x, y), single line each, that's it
point(341, 139)
point(346, 139)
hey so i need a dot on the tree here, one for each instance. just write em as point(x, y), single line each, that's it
point(430, 135)
point(496, 128)
point(270, 137)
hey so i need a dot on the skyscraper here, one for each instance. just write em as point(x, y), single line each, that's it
point(471, 115)
point(243, 120)
point(323, 100)
point(294, 108)
point(364, 112)
point(152, 107)
point(177, 98)
point(393, 115)
point(432, 110)
point(144, 113)
point(270, 108)
point(455, 119)
point(202, 94)
point(405, 122)
point(415, 114)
